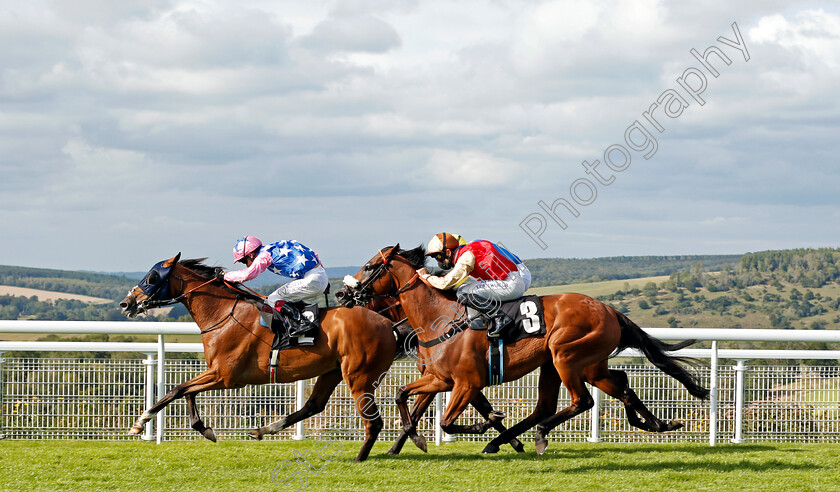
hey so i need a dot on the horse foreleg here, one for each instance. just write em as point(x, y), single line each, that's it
point(420, 405)
point(483, 406)
point(317, 402)
point(462, 395)
point(205, 381)
point(549, 390)
point(427, 384)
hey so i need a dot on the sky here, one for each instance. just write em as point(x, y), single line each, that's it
point(134, 130)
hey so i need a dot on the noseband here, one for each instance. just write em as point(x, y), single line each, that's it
point(361, 293)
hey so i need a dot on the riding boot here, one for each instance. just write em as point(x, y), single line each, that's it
point(479, 310)
point(500, 321)
point(297, 323)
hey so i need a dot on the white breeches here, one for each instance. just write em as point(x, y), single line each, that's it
point(513, 287)
point(306, 289)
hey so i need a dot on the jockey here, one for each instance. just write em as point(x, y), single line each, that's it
point(501, 276)
point(289, 259)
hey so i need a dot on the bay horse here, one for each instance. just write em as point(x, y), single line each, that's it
point(581, 333)
point(407, 344)
point(354, 344)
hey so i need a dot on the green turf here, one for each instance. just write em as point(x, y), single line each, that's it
point(238, 465)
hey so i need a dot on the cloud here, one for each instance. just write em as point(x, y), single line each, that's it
point(468, 169)
point(364, 33)
point(370, 118)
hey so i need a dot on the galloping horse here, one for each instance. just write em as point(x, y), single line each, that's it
point(406, 343)
point(356, 344)
point(581, 333)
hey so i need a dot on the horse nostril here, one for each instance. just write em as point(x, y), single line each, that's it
point(123, 305)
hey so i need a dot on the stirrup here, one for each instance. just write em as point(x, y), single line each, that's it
point(480, 323)
point(299, 329)
point(500, 322)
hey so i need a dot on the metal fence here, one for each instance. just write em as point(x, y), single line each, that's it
point(62, 398)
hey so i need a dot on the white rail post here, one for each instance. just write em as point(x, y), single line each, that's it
point(161, 385)
point(2, 385)
point(149, 434)
point(595, 416)
point(448, 437)
point(740, 370)
point(438, 411)
point(300, 389)
point(713, 396)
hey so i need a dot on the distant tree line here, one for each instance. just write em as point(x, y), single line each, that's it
point(22, 307)
point(84, 283)
point(801, 270)
point(559, 271)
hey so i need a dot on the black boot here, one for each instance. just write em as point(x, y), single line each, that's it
point(297, 324)
point(500, 321)
point(481, 319)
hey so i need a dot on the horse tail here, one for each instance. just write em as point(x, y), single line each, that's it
point(655, 350)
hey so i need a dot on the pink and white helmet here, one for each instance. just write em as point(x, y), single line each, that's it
point(246, 246)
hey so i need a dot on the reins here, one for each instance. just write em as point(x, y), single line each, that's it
point(446, 336)
point(237, 290)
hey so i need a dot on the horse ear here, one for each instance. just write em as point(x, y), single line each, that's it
point(171, 261)
point(394, 249)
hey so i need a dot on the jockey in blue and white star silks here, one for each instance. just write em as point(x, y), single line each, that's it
point(286, 258)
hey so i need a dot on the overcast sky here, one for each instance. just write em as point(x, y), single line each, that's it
point(132, 130)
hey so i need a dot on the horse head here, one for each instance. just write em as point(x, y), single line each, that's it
point(153, 291)
point(370, 282)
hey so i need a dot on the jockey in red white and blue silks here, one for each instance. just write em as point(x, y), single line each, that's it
point(286, 258)
point(500, 275)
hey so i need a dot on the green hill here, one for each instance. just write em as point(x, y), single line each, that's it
point(557, 271)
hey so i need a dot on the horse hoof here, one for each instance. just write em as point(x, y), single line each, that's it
point(209, 434)
point(419, 441)
point(541, 445)
point(517, 446)
point(674, 425)
point(490, 449)
point(496, 416)
point(255, 434)
point(134, 431)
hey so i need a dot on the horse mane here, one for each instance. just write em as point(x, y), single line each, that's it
point(197, 266)
point(416, 256)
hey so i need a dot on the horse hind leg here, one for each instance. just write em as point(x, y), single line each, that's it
point(616, 384)
point(581, 402)
point(196, 422)
point(363, 395)
point(317, 402)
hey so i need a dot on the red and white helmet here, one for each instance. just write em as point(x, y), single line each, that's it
point(444, 241)
point(246, 246)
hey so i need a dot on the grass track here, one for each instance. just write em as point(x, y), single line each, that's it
point(238, 465)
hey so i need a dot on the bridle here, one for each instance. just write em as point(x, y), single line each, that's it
point(362, 292)
point(361, 295)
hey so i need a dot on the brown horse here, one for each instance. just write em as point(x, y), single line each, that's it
point(407, 344)
point(356, 344)
point(581, 333)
